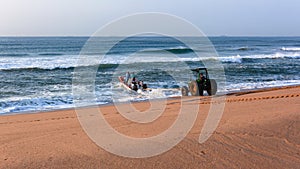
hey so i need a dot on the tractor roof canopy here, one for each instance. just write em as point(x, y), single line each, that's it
point(199, 69)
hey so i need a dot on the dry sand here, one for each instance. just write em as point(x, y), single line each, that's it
point(257, 130)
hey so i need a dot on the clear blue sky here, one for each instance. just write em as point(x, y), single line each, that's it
point(213, 17)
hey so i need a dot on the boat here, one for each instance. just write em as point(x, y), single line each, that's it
point(122, 81)
point(129, 88)
point(144, 90)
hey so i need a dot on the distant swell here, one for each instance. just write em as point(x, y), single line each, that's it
point(245, 49)
point(35, 69)
point(180, 51)
point(58, 68)
point(175, 50)
point(50, 54)
point(13, 54)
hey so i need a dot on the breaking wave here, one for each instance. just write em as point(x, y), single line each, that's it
point(69, 62)
point(292, 49)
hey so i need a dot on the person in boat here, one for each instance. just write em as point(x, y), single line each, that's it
point(134, 84)
point(201, 83)
point(142, 85)
point(127, 77)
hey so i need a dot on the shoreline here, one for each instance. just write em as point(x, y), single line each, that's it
point(257, 130)
point(237, 93)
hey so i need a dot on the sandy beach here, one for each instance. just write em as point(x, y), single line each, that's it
point(257, 130)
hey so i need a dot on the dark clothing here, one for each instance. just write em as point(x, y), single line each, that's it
point(201, 81)
point(134, 84)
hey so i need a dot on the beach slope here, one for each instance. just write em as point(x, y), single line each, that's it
point(257, 130)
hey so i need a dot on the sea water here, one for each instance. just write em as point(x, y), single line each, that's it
point(37, 72)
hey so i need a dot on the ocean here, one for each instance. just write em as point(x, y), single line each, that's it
point(37, 72)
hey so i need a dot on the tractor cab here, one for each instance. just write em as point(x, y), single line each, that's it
point(198, 71)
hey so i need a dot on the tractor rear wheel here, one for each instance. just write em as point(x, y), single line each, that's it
point(213, 87)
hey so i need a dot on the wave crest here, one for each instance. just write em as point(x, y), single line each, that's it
point(70, 62)
point(292, 49)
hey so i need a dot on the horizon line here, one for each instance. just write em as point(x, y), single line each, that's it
point(149, 36)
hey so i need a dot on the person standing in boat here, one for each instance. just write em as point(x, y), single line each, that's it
point(127, 77)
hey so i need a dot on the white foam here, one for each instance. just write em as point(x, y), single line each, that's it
point(53, 62)
point(260, 85)
point(34, 104)
point(238, 58)
point(290, 48)
point(234, 58)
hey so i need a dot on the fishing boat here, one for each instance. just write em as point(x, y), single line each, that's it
point(138, 89)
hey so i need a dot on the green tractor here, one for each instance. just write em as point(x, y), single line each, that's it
point(197, 87)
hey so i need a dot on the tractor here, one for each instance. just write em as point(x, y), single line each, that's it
point(196, 87)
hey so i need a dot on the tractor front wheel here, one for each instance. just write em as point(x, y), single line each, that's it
point(184, 91)
point(194, 89)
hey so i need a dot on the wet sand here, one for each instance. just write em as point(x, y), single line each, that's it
point(258, 130)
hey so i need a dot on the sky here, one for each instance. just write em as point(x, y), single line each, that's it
point(213, 17)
